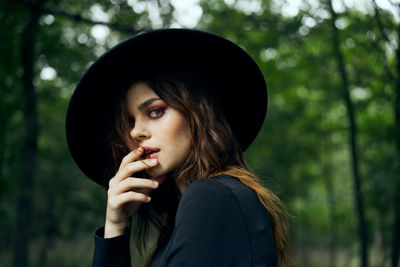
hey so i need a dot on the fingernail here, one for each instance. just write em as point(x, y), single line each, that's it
point(148, 198)
point(140, 149)
point(153, 161)
point(155, 183)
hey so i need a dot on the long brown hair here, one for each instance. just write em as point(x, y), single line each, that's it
point(214, 151)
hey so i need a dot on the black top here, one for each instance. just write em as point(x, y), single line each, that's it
point(219, 222)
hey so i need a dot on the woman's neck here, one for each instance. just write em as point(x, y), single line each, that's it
point(181, 188)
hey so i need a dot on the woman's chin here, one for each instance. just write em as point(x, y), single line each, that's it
point(156, 173)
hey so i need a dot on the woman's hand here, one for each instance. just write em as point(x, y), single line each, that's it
point(126, 194)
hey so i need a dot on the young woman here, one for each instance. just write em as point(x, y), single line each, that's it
point(161, 121)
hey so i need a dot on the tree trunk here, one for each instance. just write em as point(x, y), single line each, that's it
point(28, 165)
point(396, 108)
point(396, 237)
point(2, 135)
point(396, 223)
point(352, 140)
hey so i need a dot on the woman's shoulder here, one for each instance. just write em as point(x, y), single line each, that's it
point(223, 204)
point(214, 225)
point(220, 186)
point(225, 192)
point(218, 181)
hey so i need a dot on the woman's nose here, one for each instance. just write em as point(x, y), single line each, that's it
point(140, 133)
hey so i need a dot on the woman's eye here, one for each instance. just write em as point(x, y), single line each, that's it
point(156, 113)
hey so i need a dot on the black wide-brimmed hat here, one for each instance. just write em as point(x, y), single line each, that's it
point(233, 75)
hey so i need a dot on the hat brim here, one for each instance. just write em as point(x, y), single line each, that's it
point(236, 79)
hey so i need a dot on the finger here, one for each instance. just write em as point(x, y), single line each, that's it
point(134, 154)
point(135, 183)
point(117, 201)
point(133, 167)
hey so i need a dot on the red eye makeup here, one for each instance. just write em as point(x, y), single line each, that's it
point(156, 110)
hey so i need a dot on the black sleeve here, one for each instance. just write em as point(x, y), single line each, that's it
point(111, 251)
point(210, 230)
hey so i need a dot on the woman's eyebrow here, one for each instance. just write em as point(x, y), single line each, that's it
point(147, 103)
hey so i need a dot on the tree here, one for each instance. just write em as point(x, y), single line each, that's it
point(28, 168)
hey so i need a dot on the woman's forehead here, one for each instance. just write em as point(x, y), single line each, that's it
point(138, 94)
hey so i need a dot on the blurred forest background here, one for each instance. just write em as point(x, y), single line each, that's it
point(330, 146)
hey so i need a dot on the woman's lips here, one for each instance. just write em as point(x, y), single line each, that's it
point(150, 153)
point(151, 156)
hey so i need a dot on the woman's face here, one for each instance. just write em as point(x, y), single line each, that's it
point(160, 129)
